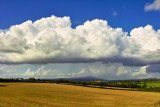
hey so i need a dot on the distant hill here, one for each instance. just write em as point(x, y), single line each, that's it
point(88, 78)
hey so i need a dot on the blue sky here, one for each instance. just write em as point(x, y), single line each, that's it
point(130, 13)
point(56, 46)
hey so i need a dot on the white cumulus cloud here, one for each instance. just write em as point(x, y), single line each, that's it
point(153, 6)
point(53, 40)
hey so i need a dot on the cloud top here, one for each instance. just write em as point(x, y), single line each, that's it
point(53, 40)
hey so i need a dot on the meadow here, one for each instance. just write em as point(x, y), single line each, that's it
point(153, 85)
point(14, 94)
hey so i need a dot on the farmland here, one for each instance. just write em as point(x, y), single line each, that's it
point(50, 94)
point(153, 85)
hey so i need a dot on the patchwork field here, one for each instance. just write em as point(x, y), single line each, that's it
point(58, 95)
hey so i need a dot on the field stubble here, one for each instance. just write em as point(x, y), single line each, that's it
point(59, 95)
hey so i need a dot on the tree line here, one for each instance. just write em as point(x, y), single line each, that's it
point(117, 83)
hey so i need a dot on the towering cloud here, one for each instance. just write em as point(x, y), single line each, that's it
point(52, 40)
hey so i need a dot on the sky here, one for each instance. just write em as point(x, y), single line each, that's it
point(109, 39)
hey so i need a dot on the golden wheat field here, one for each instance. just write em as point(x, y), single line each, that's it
point(59, 95)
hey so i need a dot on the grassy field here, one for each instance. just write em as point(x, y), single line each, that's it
point(153, 85)
point(59, 95)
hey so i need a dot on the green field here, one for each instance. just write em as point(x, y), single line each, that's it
point(151, 84)
point(59, 95)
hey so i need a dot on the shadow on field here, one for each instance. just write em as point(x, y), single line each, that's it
point(112, 88)
point(3, 85)
point(119, 89)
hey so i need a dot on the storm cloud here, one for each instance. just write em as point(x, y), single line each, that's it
point(153, 68)
point(53, 40)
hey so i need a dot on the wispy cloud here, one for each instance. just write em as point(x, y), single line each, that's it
point(114, 13)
